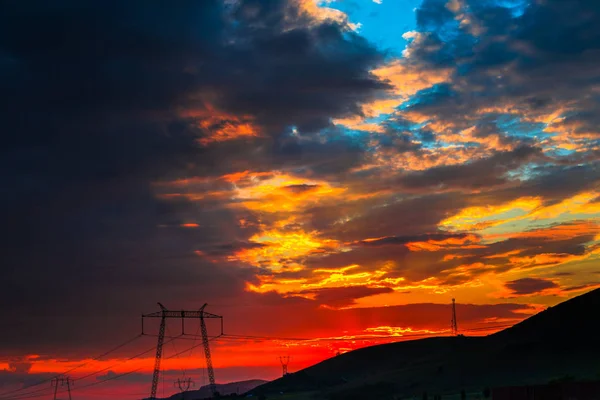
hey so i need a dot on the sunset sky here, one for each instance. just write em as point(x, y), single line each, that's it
point(326, 173)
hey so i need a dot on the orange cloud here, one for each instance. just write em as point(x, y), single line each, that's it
point(401, 331)
point(448, 243)
point(285, 193)
point(543, 259)
point(390, 161)
point(318, 12)
point(562, 232)
point(221, 126)
point(248, 176)
point(407, 80)
point(471, 218)
point(189, 225)
point(277, 248)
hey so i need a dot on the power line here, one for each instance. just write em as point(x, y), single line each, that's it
point(114, 377)
point(220, 337)
point(93, 373)
point(363, 338)
point(234, 337)
point(123, 361)
point(2, 395)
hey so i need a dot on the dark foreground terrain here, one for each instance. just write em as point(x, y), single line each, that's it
point(225, 389)
point(558, 344)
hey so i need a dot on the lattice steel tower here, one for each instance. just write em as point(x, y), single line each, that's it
point(66, 381)
point(163, 314)
point(454, 323)
point(285, 361)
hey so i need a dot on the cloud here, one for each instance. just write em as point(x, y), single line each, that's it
point(19, 367)
point(265, 154)
point(342, 296)
point(479, 174)
point(530, 286)
point(105, 101)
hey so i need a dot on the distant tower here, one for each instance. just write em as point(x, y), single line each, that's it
point(184, 384)
point(285, 360)
point(454, 323)
point(62, 381)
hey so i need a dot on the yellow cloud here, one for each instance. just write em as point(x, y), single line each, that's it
point(472, 218)
point(276, 248)
point(285, 193)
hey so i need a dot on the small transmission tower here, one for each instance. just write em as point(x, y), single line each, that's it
point(454, 323)
point(66, 381)
point(285, 361)
point(183, 385)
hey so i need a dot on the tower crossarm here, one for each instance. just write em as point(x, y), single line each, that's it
point(181, 314)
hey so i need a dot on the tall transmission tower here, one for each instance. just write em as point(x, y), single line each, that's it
point(285, 361)
point(454, 323)
point(209, 367)
point(163, 314)
point(59, 381)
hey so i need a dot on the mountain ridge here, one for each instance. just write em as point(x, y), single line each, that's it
point(557, 342)
point(224, 389)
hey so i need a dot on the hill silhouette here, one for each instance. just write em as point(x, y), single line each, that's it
point(554, 344)
point(223, 388)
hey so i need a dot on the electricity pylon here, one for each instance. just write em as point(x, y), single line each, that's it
point(66, 381)
point(209, 366)
point(183, 385)
point(285, 361)
point(454, 323)
point(163, 314)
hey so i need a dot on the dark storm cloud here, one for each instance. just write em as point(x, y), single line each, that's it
point(387, 216)
point(528, 286)
point(91, 110)
point(485, 173)
point(551, 182)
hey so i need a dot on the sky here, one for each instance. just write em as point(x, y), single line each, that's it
point(326, 175)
